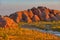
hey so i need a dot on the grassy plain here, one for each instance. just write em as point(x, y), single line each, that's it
point(27, 34)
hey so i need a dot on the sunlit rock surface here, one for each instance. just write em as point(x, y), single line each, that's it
point(36, 14)
point(11, 31)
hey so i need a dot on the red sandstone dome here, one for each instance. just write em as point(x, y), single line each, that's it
point(31, 15)
point(7, 22)
point(36, 14)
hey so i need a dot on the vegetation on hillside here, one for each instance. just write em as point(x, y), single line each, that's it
point(24, 34)
point(54, 25)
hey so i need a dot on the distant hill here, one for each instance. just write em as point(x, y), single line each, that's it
point(31, 15)
point(36, 14)
point(11, 28)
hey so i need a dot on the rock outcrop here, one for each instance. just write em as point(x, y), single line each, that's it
point(30, 15)
point(2, 22)
point(7, 22)
point(36, 14)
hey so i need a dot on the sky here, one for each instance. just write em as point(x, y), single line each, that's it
point(10, 6)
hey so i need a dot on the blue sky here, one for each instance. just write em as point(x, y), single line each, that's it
point(11, 6)
point(28, 1)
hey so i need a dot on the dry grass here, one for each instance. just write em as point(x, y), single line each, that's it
point(55, 25)
point(24, 34)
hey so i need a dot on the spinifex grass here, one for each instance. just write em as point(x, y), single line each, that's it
point(55, 26)
point(25, 34)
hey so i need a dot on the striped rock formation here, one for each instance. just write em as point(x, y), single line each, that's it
point(7, 22)
point(36, 14)
point(30, 15)
point(23, 33)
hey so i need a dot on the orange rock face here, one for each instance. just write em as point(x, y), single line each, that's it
point(37, 14)
point(47, 13)
point(30, 13)
point(28, 18)
point(25, 12)
point(19, 16)
point(10, 22)
point(56, 11)
point(36, 18)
